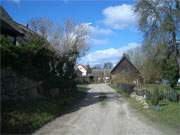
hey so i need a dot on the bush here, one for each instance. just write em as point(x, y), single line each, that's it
point(38, 61)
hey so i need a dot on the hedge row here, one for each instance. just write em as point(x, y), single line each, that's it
point(37, 61)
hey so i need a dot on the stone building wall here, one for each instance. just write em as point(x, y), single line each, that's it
point(15, 87)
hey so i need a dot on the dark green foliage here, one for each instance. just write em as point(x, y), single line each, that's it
point(45, 62)
point(38, 61)
point(25, 59)
point(170, 70)
point(167, 64)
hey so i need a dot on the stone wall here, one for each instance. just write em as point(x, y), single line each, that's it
point(16, 87)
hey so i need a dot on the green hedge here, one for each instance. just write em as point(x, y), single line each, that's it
point(38, 61)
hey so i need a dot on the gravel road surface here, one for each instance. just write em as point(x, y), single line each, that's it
point(102, 112)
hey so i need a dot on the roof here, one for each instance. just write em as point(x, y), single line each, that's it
point(121, 60)
point(10, 27)
point(7, 24)
point(84, 66)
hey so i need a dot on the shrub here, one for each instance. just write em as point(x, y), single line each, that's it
point(38, 61)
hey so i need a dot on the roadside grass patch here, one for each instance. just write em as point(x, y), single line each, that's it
point(26, 117)
point(168, 115)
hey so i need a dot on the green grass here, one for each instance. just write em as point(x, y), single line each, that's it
point(26, 117)
point(168, 116)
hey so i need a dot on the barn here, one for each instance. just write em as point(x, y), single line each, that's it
point(126, 71)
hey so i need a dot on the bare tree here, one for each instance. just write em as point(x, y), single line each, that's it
point(142, 58)
point(42, 26)
point(75, 38)
point(64, 39)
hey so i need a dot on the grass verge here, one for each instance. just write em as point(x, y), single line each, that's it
point(26, 117)
point(168, 116)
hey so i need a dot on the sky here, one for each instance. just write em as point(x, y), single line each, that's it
point(112, 23)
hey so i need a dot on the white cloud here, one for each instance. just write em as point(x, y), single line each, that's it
point(97, 35)
point(94, 41)
point(99, 31)
point(119, 17)
point(96, 30)
point(108, 55)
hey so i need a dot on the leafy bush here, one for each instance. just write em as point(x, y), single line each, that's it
point(38, 61)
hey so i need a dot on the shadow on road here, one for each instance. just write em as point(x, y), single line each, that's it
point(95, 97)
point(92, 96)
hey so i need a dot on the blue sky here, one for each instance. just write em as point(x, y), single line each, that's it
point(113, 23)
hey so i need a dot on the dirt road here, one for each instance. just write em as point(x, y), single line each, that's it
point(111, 116)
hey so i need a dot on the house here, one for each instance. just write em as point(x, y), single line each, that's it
point(101, 75)
point(16, 32)
point(82, 70)
point(97, 75)
point(125, 70)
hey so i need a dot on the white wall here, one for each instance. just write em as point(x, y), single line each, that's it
point(83, 70)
